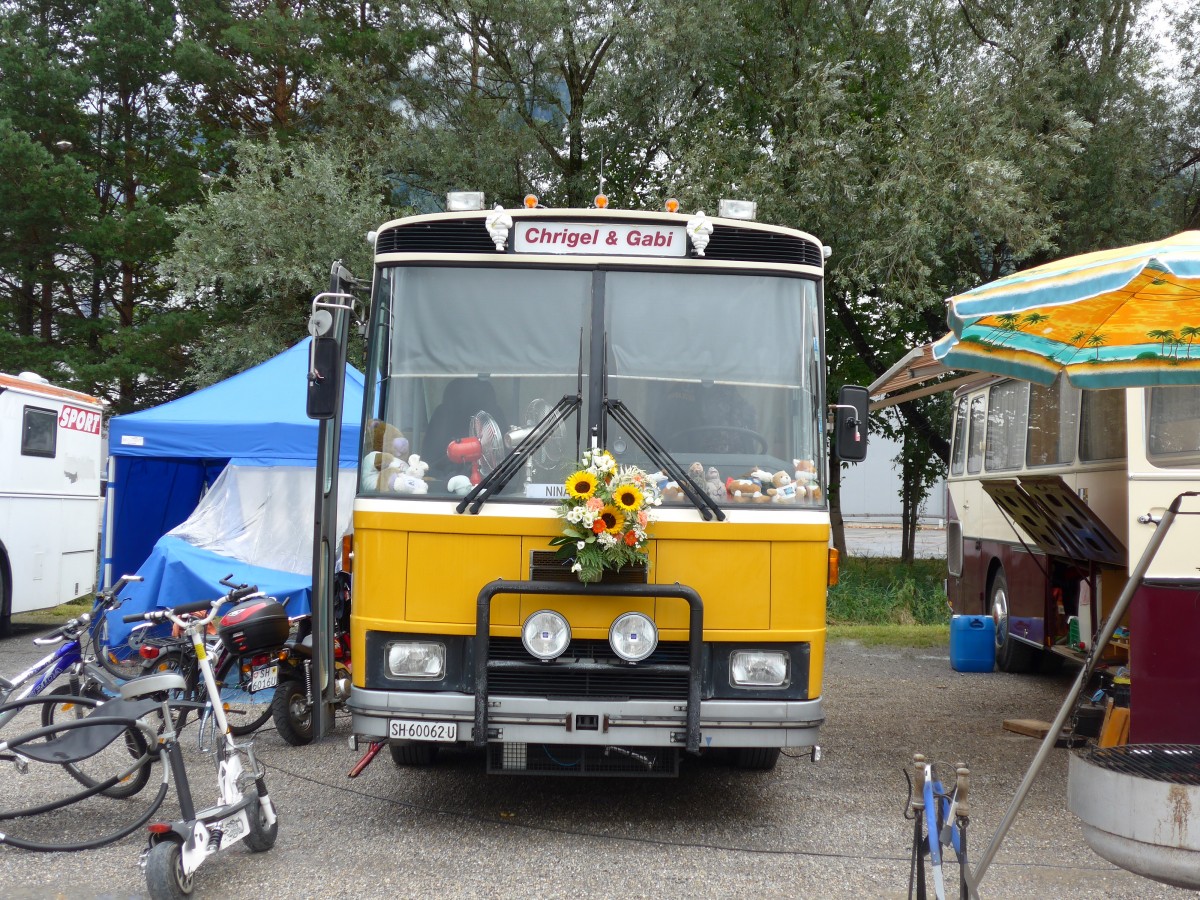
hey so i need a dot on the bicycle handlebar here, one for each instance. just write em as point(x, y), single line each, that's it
point(238, 593)
point(68, 630)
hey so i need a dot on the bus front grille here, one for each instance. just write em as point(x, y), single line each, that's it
point(752, 245)
point(469, 236)
point(587, 670)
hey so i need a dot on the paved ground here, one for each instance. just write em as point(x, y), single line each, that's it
point(833, 829)
point(886, 540)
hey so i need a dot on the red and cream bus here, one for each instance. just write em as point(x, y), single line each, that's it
point(1054, 494)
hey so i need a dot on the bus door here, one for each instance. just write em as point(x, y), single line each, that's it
point(1164, 618)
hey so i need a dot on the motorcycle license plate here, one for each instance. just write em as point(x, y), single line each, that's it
point(264, 677)
point(410, 730)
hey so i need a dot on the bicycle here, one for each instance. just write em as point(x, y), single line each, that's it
point(175, 850)
point(238, 677)
point(82, 647)
point(940, 819)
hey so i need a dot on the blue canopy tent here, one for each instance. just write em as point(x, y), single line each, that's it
point(166, 458)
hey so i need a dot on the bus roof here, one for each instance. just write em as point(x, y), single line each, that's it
point(45, 389)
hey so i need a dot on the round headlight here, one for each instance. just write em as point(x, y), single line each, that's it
point(546, 634)
point(633, 637)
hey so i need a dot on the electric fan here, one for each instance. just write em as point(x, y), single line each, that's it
point(483, 449)
point(551, 451)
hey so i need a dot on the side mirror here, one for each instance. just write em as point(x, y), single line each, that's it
point(850, 424)
point(322, 380)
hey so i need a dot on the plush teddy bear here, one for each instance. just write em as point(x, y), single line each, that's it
point(745, 490)
point(807, 486)
point(375, 464)
point(387, 447)
point(460, 485)
point(409, 477)
point(671, 491)
point(384, 437)
point(714, 486)
point(782, 489)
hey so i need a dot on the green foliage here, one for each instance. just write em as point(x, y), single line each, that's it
point(880, 591)
point(256, 252)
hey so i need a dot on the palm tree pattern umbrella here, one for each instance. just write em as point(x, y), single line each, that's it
point(1128, 317)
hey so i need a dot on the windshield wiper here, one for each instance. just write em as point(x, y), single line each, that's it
point(496, 479)
point(662, 458)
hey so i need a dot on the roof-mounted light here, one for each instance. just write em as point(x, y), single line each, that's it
point(738, 209)
point(672, 205)
point(464, 201)
point(600, 201)
point(531, 201)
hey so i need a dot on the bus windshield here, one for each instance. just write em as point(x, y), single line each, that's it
point(463, 359)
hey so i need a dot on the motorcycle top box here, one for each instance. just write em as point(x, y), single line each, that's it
point(254, 626)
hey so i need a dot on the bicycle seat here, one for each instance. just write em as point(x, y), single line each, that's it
point(81, 741)
point(146, 685)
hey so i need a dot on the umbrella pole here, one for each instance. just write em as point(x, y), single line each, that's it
point(1106, 633)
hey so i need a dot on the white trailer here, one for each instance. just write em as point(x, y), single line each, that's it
point(50, 475)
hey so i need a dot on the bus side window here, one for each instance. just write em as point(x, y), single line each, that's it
point(958, 452)
point(975, 437)
point(1053, 411)
point(1102, 425)
point(1173, 425)
point(1007, 407)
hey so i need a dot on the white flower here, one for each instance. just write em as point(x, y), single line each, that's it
point(575, 514)
point(607, 540)
point(579, 545)
point(578, 567)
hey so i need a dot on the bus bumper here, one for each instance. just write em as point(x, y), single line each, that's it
point(634, 723)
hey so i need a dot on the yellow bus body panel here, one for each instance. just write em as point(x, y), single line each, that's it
point(422, 574)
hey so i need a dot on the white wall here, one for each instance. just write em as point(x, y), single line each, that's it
point(871, 488)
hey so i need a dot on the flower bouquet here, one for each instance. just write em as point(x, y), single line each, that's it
point(604, 516)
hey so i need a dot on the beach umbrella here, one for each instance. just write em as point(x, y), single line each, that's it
point(1128, 317)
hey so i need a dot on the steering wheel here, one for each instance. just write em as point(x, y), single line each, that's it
point(759, 440)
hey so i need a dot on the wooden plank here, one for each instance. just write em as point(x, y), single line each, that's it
point(1115, 731)
point(1031, 727)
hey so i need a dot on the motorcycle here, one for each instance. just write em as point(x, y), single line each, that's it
point(292, 703)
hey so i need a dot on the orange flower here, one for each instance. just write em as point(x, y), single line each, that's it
point(631, 538)
point(598, 526)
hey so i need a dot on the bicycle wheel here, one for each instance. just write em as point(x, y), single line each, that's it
point(247, 712)
point(121, 660)
point(114, 759)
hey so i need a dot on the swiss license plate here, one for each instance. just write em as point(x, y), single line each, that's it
point(410, 730)
point(264, 677)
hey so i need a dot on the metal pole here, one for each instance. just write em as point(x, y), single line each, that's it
point(326, 538)
point(1106, 633)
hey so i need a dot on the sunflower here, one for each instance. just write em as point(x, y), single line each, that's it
point(581, 485)
point(627, 497)
point(612, 518)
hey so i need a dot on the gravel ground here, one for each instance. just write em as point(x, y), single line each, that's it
point(831, 829)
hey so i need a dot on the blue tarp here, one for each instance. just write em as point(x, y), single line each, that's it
point(164, 458)
point(177, 572)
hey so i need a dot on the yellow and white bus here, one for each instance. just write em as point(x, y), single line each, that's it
point(502, 344)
